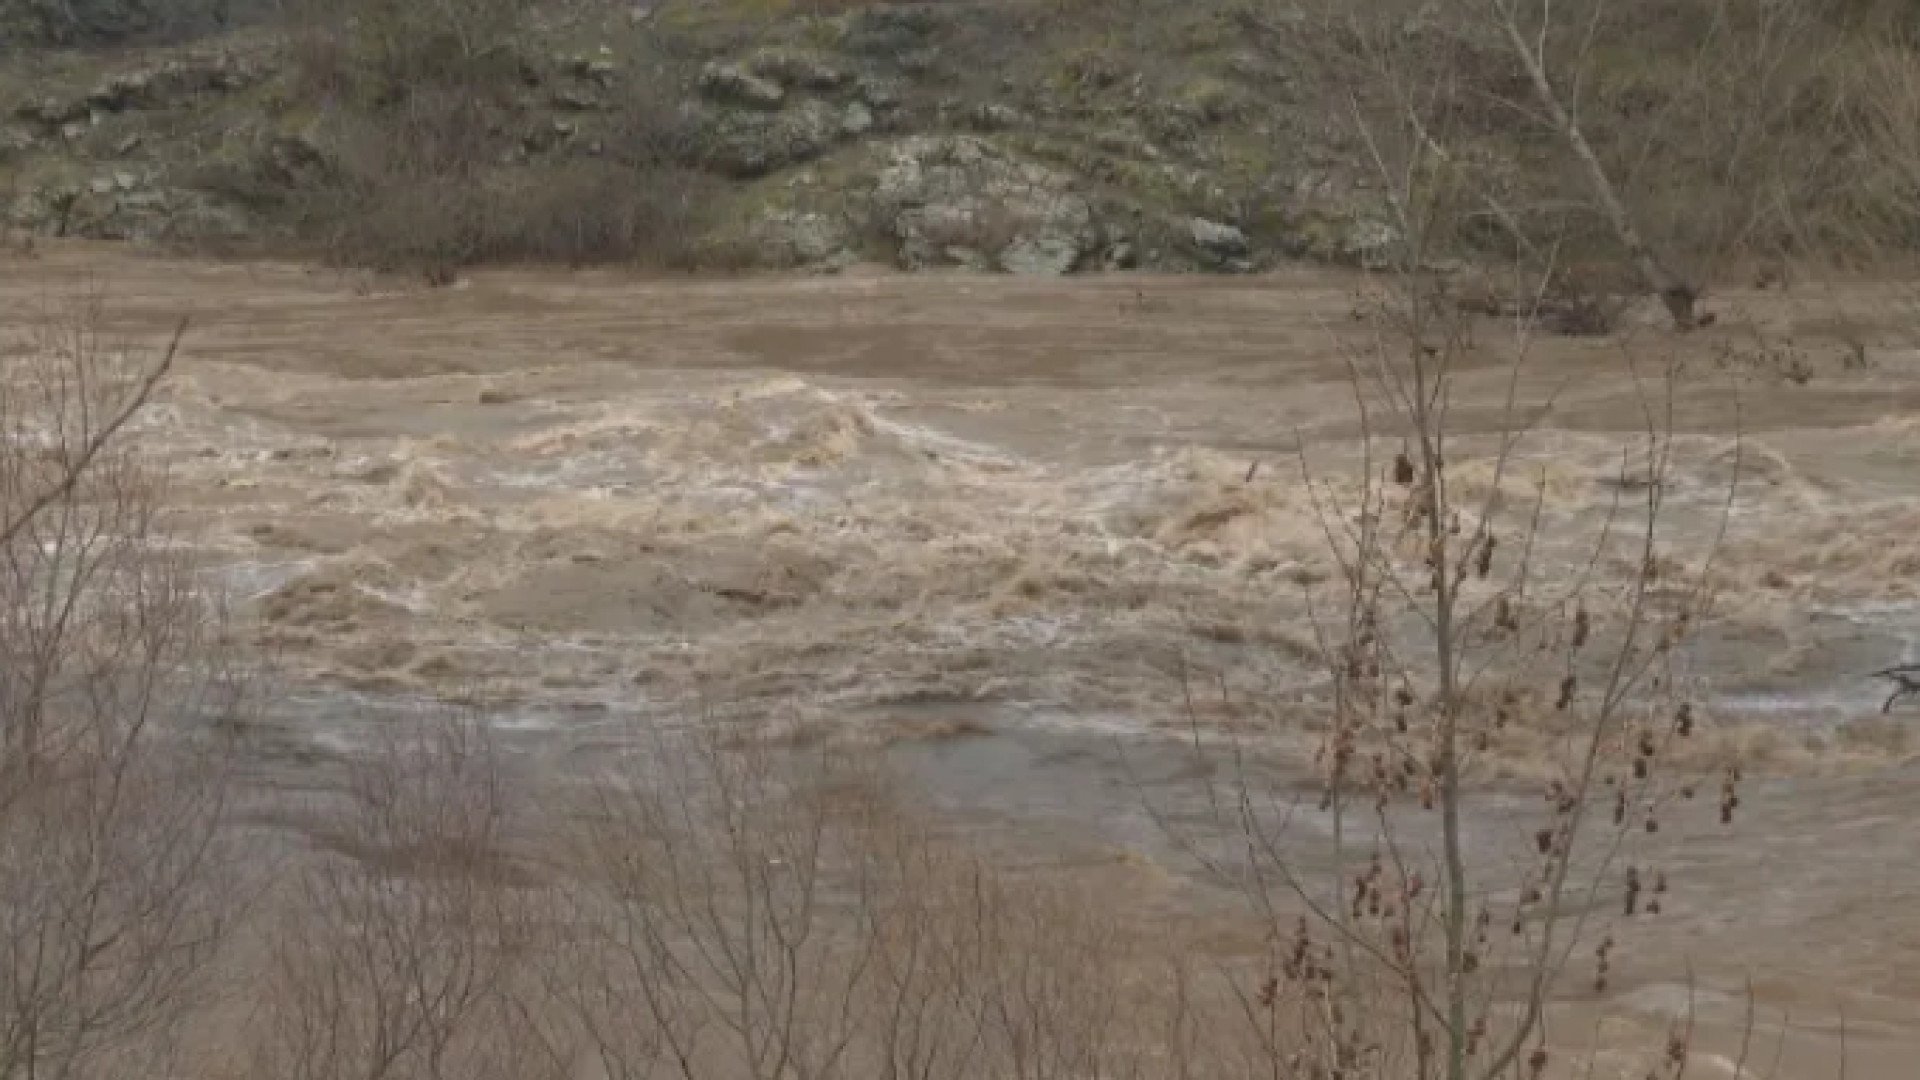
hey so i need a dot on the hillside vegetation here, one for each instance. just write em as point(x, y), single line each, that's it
point(1040, 136)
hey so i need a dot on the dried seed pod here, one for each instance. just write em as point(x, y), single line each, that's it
point(1677, 1049)
point(1582, 626)
point(1567, 687)
point(1484, 565)
point(1402, 469)
point(1683, 720)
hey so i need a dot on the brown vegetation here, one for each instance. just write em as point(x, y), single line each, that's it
point(113, 788)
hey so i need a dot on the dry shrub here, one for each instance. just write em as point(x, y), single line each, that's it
point(399, 938)
point(1720, 133)
point(380, 51)
point(116, 879)
point(744, 909)
point(581, 212)
point(430, 165)
point(594, 211)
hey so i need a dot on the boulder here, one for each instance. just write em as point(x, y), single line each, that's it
point(1217, 240)
point(126, 207)
point(1047, 254)
point(855, 120)
point(729, 84)
point(879, 94)
point(798, 71)
point(567, 99)
point(14, 142)
point(1370, 243)
point(597, 68)
point(752, 144)
point(995, 116)
point(787, 238)
point(53, 112)
point(960, 200)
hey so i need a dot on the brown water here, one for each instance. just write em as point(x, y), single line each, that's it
point(898, 508)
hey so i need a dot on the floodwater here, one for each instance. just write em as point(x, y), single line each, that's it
point(1002, 528)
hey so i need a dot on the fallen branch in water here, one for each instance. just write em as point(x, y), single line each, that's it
point(1907, 680)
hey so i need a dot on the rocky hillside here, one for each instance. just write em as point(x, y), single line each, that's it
point(1033, 136)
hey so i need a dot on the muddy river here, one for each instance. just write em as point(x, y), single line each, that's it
point(986, 524)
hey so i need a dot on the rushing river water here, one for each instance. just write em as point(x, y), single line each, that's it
point(987, 523)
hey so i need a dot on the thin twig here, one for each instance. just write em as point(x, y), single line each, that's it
point(97, 442)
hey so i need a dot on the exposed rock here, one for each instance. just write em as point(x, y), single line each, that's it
point(751, 144)
point(1216, 241)
point(544, 137)
point(103, 22)
point(570, 100)
point(120, 206)
point(917, 61)
point(597, 68)
point(1370, 243)
point(889, 31)
point(1045, 253)
point(995, 116)
point(856, 119)
point(53, 112)
point(879, 94)
point(166, 85)
point(130, 90)
point(797, 238)
point(170, 82)
point(1126, 140)
point(14, 142)
point(295, 160)
point(798, 71)
point(960, 200)
point(732, 85)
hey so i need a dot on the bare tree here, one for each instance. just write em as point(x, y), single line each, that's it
point(735, 907)
point(1632, 145)
point(1430, 934)
point(116, 879)
point(402, 935)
